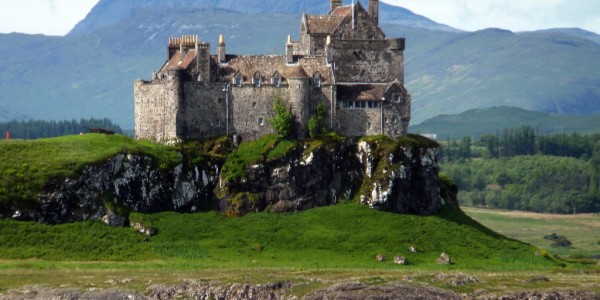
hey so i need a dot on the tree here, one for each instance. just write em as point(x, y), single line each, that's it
point(316, 124)
point(283, 120)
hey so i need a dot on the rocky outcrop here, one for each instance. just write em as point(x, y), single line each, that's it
point(302, 179)
point(398, 175)
point(109, 191)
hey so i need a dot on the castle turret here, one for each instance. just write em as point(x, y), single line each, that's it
point(289, 50)
point(374, 10)
point(299, 88)
point(335, 4)
point(221, 49)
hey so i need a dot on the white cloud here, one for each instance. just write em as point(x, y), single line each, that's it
point(51, 17)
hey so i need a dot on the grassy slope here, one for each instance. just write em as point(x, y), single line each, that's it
point(342, 236)
point(582, 230)
point(27, 165)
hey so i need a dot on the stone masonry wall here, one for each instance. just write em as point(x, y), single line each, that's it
point(203, 111)
point(368, 61)
point(156, 105)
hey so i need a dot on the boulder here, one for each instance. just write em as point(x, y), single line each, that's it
point(444, 259)
point(400, 260)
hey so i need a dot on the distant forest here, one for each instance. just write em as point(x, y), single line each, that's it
point(36, 129)
point(518, 169)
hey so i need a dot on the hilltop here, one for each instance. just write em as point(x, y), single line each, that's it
point(478, 122)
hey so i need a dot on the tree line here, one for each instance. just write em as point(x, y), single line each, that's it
point(524, 140)
point(519, 169)
point(35, 129)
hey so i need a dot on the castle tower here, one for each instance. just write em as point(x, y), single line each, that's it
point(203, 62)
point(221, 49)
point(374, 10)
point(335, 4)
point(299, 89)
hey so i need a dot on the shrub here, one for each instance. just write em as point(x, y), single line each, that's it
point(283, 119)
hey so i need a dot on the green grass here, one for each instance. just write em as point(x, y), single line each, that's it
point(582, 230)
point(26, 166)
point(342, 236)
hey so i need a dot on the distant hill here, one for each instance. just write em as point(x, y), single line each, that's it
point(576, 32)
point(477, 122)
point(90, 72)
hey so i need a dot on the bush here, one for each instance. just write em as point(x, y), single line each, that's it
point(283, 119)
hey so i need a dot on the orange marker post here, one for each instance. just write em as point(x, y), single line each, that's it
point(7, 135)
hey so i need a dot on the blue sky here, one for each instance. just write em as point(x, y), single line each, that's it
point(57, 17)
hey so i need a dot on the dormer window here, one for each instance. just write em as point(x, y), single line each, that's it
point(396, 97)
point(238, 79)
point(276, 79)
point(256, 79)
point(317, 79)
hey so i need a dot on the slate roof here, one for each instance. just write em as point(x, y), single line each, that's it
point(176, 63)
point(267, 65)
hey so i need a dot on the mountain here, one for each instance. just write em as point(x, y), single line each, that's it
point(110, 12)
point(477, 122)
point(542, 71)
point(90, 72)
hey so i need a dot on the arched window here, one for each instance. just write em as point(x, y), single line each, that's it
point(256, 79)
point(276, 79)
point(238, 79)
point(317, 79)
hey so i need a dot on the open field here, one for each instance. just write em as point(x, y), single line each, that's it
point(116, 275)
point(311, 250)
point(583, 230)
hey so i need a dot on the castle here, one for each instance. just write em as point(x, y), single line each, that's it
point(342, 60)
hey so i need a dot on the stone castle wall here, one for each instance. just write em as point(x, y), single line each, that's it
point(156, 105)
point(378, 60)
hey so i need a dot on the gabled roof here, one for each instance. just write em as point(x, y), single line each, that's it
point(180, 64)
point(323, 24)
point(342, 11)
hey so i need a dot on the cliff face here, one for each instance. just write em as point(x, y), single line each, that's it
point(384, 174)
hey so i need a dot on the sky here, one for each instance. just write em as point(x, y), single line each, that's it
point(58, 17)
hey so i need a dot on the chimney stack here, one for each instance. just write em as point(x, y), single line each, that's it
point(374, 11)
point(289, 50)
point(221, 49)
point(335, 4)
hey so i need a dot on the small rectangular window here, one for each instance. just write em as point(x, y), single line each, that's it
point(370, 126)
point(253, 104)
point(261, 122)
